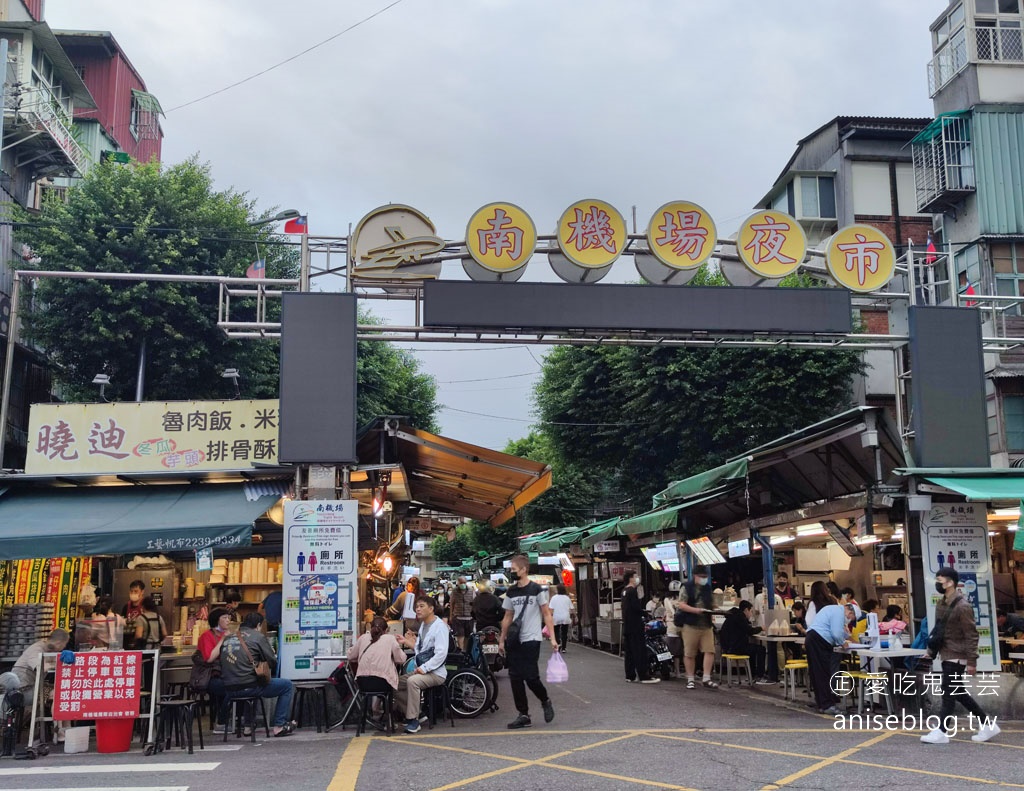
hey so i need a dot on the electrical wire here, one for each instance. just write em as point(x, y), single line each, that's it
point(286, 60)
point(502, 417)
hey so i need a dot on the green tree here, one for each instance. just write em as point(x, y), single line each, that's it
point(145, 220)
point(574, 494)
point(449, 552)
point(647, 416)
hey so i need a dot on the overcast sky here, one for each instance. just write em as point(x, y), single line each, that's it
point(451, 104)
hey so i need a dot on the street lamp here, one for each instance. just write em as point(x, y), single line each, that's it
point(102, 380)
point(232, 374)
point(286, 214)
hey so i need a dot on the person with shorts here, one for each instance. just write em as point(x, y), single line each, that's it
point(698, 636)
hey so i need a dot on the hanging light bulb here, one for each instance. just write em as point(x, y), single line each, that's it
point(387, 563)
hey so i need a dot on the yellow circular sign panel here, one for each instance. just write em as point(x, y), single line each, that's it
point(591, 234)
point(501, 237)
point(861, 258)
point(682, 235)
point(771, 243)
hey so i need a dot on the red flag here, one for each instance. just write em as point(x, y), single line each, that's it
point(257, 268)
point(969, 291)
point(298, 225)
point(930, 253)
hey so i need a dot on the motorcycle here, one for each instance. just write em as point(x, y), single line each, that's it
point(489, 637)
point(658, 656)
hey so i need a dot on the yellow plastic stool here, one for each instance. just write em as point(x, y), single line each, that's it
point(732, 660)
point(793, 666)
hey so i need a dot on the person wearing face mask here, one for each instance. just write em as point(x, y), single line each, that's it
point(131, 611)
point(783, 588)
point(526, 607)
point(634, 648)
point(955, 637)
point(460, 616)
point(698, 636)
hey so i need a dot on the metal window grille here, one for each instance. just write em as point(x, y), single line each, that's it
point(944, 163)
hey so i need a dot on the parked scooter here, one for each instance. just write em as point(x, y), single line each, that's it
point(658, 655)
point(489, 637)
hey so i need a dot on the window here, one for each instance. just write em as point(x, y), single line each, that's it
point(133, 122)
point(1013, 414)
point(817, 197)
point(997, 31)
point(1008, 268)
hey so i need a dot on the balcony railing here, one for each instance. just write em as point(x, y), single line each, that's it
point(38, 107)
point(974, 45)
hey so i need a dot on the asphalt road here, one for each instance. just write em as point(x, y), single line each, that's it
point(607, 735)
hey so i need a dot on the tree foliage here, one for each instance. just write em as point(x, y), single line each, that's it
point(145, 220)
point(450, 552)
point(648, 416)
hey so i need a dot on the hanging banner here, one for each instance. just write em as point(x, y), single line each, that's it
point(319, 572)
point(151, 436)
point(955, 535)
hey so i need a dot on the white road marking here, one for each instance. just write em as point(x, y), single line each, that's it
point(113, 788)
point(93, 769)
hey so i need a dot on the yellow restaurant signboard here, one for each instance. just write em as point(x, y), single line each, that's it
point(682, 235)
point(592, 234)
point(771, 243)
point(861, 258)
point(151, 436)
point(501, 237)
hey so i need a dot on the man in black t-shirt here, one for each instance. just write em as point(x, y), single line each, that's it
point(698, 636)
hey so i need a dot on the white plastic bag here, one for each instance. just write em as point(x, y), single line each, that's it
point(558, 671)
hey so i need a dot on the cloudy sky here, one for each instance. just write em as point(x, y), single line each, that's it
point(451, 104)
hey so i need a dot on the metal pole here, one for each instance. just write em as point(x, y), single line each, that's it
point(12, 341)
point(140, 377)
point(304, 263)
point(953, 276)
point(911, 274)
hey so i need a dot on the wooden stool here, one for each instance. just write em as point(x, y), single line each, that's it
point(792, 667)
point(741, 661)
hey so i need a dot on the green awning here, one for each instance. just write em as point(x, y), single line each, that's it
point(651, 522)
point(977, 484)
point(147, 102)
point(117, 520)
point(934, 129)
point(695, 484)
point(600, 531)
point(983, 490)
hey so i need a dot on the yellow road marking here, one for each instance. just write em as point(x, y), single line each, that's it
point(349, 765)
point(737, 746)
point(520, 762)
point(826, 762)
point(932, 774)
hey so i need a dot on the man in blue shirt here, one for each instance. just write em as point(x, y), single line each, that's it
point(827, 633)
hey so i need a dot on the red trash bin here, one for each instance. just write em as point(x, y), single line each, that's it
point(114, 735)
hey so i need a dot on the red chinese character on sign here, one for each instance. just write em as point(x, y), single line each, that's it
point(769, 237)
point(592, 229)
point(502, 236)
point(106, 442)
point(686, 236)
point(861, 255)
point(56, 441)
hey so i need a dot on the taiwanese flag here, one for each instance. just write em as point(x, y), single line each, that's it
point(930, 252)
point(257, 268)
point(298, 225)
